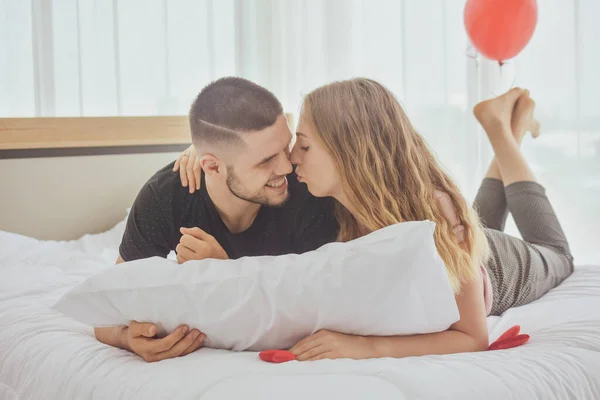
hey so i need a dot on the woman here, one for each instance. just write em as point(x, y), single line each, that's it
point(355, 144)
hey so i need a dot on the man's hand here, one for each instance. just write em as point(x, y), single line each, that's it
point(139, 339)
point(195, 244)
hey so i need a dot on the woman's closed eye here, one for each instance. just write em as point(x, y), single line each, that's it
point(305, 148)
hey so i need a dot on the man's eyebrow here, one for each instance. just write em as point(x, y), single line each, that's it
point(267, 159)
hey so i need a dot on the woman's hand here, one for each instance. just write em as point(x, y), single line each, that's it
point(326, 344)
point(449, 212)
point(189, 168)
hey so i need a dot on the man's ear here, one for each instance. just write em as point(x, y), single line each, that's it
point(211, 164)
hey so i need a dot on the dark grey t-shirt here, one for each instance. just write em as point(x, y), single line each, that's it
point(163, 206)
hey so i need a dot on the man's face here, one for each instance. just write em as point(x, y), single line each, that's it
point(258, 174)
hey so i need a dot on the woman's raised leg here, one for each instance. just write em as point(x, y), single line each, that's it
point(521, 270)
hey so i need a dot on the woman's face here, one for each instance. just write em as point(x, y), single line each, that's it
point(316, 167)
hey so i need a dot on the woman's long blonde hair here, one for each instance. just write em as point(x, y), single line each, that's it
point(388, 172)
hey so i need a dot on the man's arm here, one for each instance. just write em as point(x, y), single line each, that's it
point(148, 232)
point(112, 336)
point(139, 338)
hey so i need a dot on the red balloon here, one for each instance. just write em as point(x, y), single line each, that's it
point(500, 29)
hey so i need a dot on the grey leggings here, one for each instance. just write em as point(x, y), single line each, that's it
point(522, 271)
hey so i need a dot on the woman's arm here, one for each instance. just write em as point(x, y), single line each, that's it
point(469, 334)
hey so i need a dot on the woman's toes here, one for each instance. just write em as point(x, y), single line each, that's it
point(535, 128)
point(522, 116)
point(529, 104)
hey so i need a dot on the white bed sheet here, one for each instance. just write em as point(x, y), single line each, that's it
point(44, 355)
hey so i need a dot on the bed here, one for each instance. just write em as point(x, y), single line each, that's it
point(44, 355)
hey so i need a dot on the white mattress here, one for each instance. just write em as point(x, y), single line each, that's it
point(44, 355)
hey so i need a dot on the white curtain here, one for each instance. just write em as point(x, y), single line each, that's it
point(151, 57)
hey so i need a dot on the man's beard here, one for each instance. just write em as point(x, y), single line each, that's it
point(236, 188)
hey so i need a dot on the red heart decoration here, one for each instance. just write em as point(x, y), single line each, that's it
point(267, 355)
point(514, 331)
point(276, 356)
point(509, 342)
point(283, 356)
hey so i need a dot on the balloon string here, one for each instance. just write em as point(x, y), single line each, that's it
point(473, 54)
point(514, 79)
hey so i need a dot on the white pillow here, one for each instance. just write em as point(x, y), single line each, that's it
point(390, 282)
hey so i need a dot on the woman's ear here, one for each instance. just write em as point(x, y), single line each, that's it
point(211, 165)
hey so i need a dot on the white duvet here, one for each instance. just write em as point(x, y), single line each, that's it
point(44, 355)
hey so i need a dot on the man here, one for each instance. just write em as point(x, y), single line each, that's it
point(250, 202)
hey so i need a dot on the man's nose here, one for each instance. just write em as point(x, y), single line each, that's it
point(284, 166)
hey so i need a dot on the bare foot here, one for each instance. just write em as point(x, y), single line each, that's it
point(522, 118)
point(497, 111)
point(535, 128)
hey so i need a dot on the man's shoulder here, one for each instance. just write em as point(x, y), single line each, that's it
point(167, 188)
point(164, 192)
point(164, 179)
point(149, 229)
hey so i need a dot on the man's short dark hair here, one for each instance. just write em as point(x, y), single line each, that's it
point(229, 106)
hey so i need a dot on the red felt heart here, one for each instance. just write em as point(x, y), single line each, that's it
point(283, 356)
point(514, 331)
point(509, 342)
point(267, 355)
point(276, 356)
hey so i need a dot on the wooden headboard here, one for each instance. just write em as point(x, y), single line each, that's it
point(86, 132)
point(61, 178)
